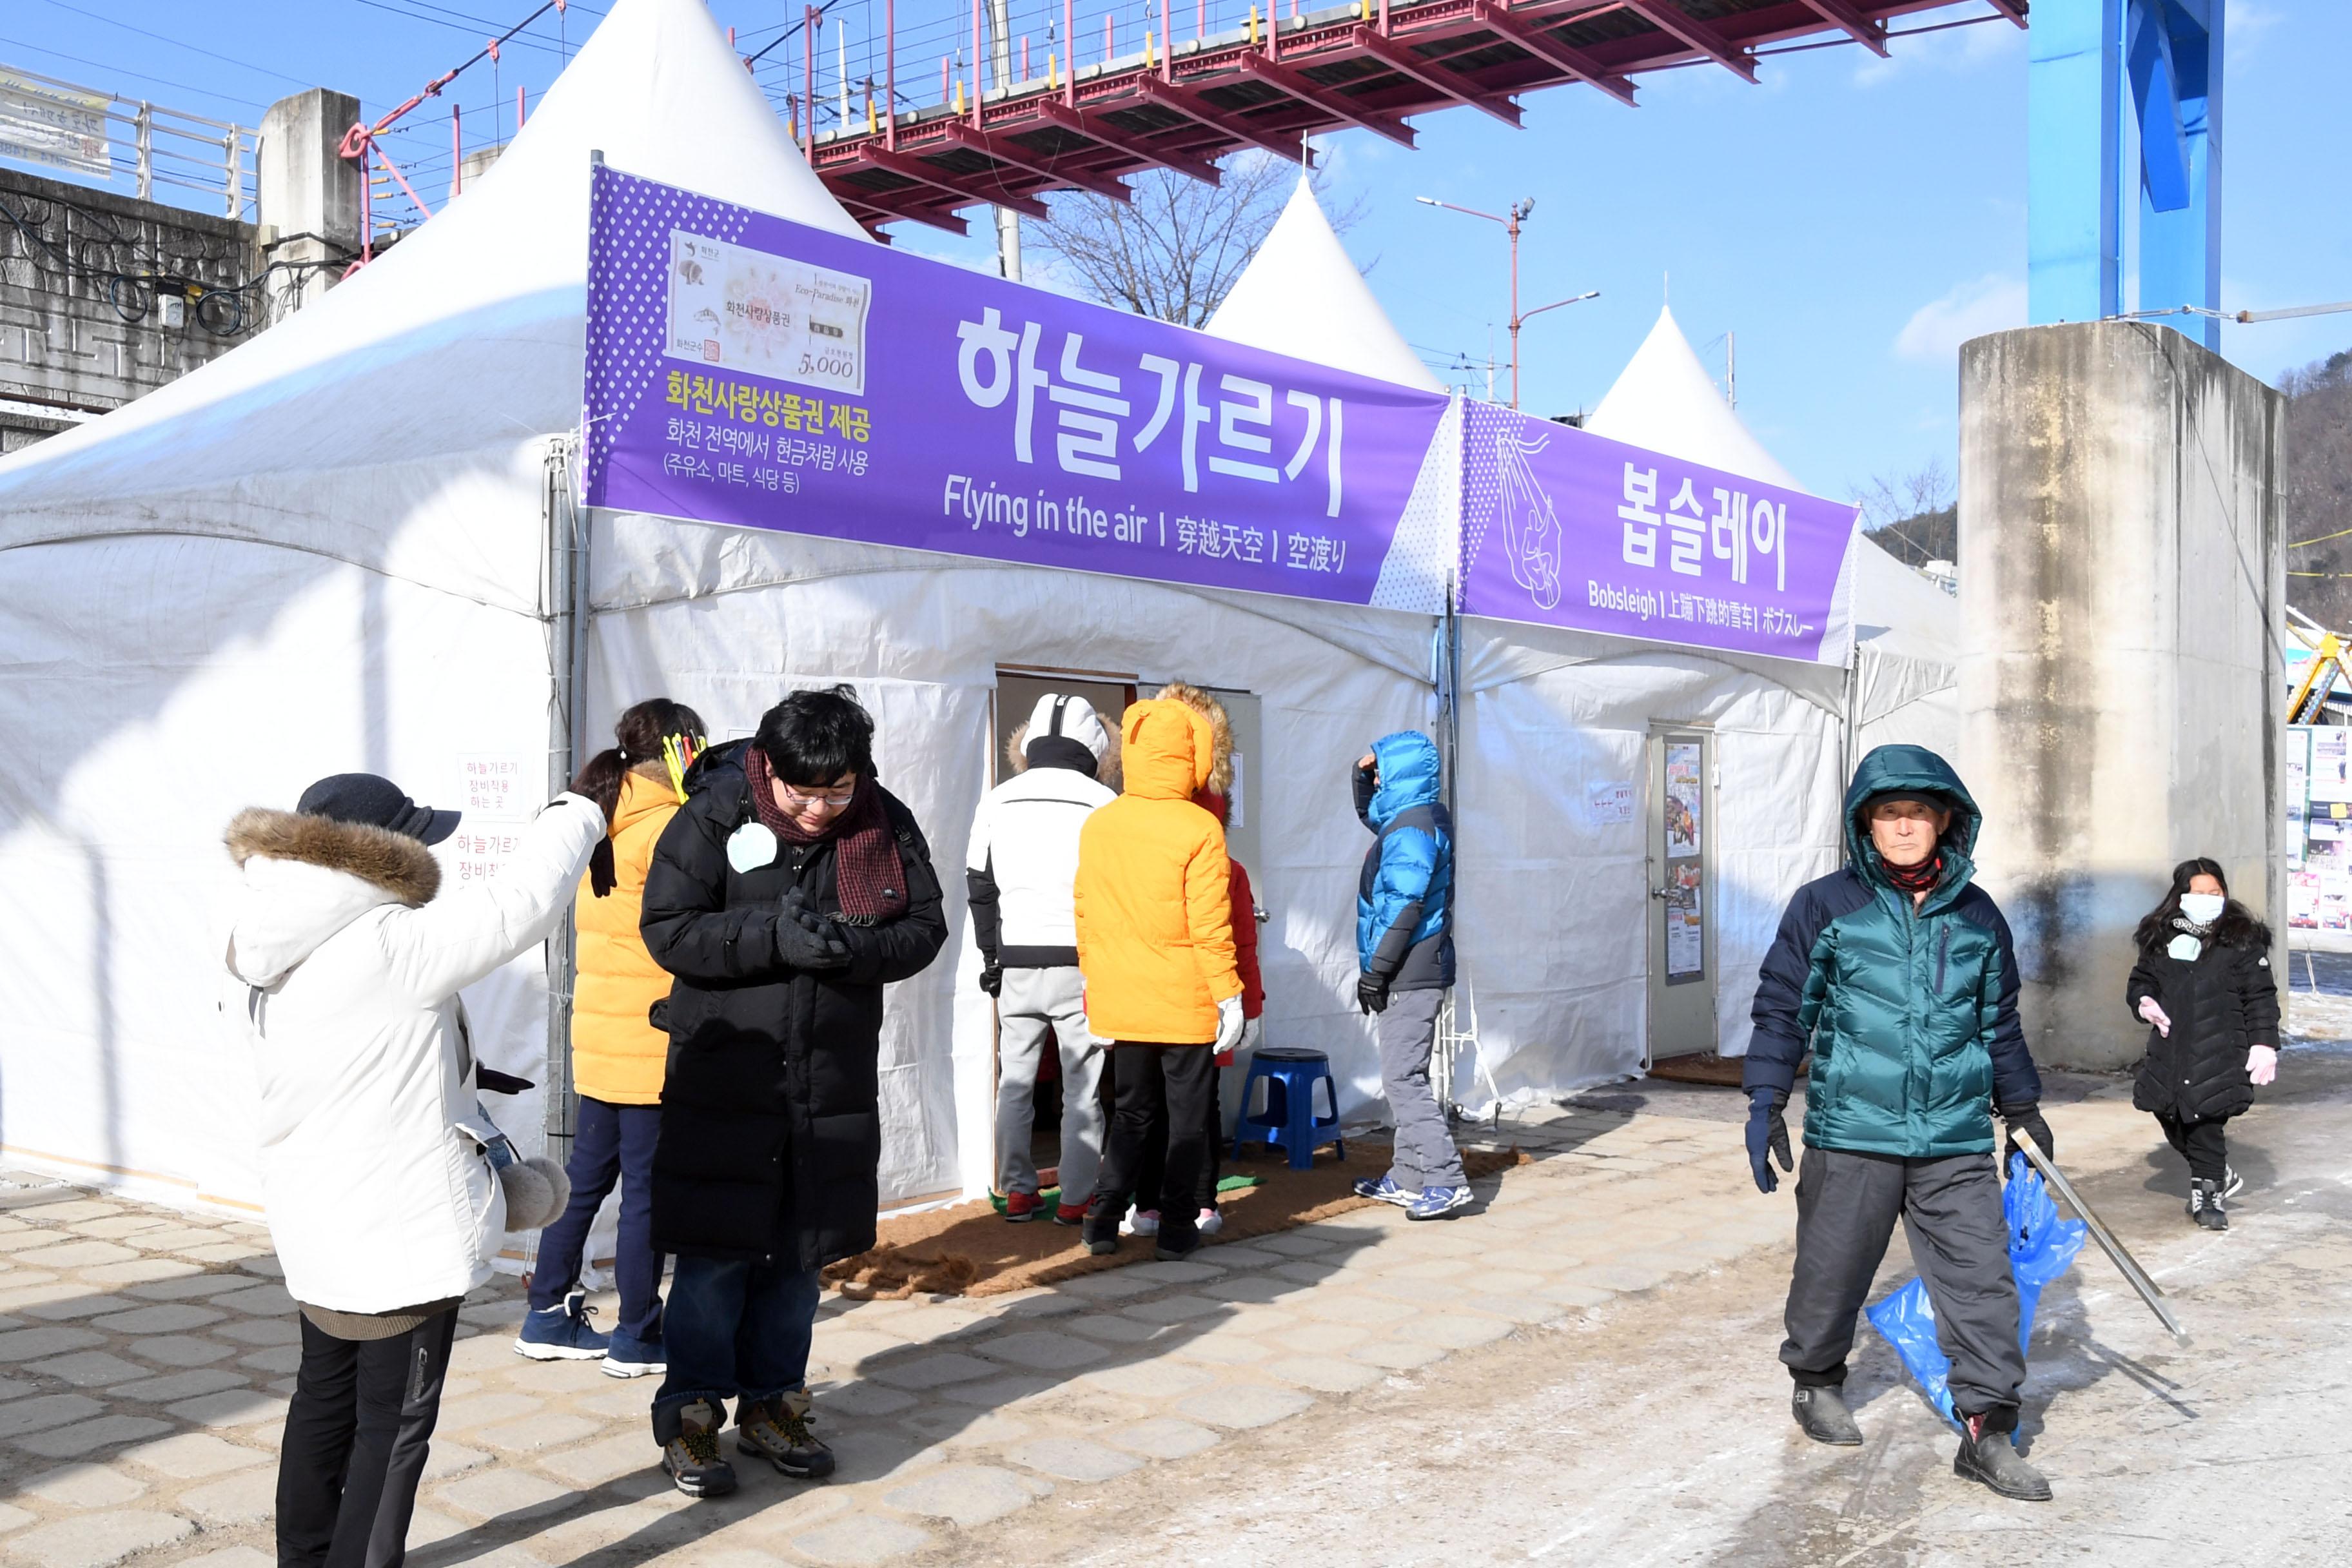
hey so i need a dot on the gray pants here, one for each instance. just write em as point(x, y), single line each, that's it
point(1425, 1155)
point(1029, 1002)
point(1846, 1207)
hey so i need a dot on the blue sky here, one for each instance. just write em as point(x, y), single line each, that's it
point(1851, 219)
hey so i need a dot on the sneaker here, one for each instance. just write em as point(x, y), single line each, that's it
point(2205, 1205)
point(1209, 1223)
point(692, 1456)
point(1822, 1414)
point(1069, 1213)
point(563, 1333)
point(629, 1356)
point(1434, 1203)
point(1140, 1222)
point(1992, 1458)
point(2232, 1183)
point(1021, 1207)
point(777, 1430)
point(1385, 1191)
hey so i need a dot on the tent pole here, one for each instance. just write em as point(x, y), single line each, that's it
point(564, 527)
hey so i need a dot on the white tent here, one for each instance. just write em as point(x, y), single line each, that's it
point(1302, 296)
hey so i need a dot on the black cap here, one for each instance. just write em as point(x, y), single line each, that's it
point(374, 802)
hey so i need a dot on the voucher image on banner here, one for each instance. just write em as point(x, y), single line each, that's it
point(746, 370)
point(1573, 529)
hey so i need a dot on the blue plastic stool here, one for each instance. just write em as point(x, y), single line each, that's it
point(1288, 1121)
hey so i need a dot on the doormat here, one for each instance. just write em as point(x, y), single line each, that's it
point(1707, 1068)
point(971, 1249)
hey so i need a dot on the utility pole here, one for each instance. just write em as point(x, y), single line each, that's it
point(1000, 52)
point(1518, 214)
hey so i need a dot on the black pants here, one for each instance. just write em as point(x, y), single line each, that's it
point(2204, 1144)
point(356, 1437)
point(1161, 1092)
point(1153, 1175)
point(1846, 1207)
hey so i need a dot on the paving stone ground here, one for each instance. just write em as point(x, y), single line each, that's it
point(145, 1357)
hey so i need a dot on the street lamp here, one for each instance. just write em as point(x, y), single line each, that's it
point(1519, 211)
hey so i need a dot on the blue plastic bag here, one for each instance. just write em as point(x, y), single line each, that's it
point(2041, 1247)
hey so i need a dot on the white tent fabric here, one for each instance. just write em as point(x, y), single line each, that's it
point(1665, 400)
point(1302, 296)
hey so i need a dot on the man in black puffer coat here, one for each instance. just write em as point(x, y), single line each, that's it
point(785, 894)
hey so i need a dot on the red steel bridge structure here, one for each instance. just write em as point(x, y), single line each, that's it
point(1371, 64)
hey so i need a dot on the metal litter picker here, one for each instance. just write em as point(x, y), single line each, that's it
point(2126, 1264)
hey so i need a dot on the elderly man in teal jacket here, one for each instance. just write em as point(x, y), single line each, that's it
point(1898, 974)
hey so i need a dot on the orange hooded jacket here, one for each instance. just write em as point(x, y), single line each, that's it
point(1154, 898)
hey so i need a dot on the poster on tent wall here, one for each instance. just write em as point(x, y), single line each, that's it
point(743, 369)
point(1568, 529)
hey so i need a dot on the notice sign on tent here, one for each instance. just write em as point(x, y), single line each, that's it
point(744, 368)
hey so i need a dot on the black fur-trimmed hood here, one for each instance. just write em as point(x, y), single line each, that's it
point(307, 878)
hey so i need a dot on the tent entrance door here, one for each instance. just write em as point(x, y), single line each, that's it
point(1680, 859)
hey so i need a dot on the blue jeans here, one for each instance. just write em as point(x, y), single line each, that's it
point(614, 1143)
point(735, 1330)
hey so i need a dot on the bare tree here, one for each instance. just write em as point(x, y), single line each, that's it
point(1913, 516)
point(2318, 502)
point(1175, 251)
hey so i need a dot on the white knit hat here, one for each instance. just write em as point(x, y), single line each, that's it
point(1070, 717)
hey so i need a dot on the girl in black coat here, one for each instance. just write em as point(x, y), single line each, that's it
point(2203, 983)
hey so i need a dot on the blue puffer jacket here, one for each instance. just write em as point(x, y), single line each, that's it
point(1910, 1012)
point(1405, 901)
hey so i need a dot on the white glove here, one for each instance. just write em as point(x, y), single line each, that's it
point(2261, 1064)
point(2153, 1011)
point(1230, 1023)
point(1253, 1034)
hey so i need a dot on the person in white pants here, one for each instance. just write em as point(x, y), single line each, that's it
point(1020, 870)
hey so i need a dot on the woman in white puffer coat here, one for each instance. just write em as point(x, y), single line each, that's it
point(381, 1174)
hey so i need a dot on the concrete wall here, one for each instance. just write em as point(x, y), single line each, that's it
point(2119, 677)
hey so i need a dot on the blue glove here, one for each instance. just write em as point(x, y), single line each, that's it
point(1768, 1132)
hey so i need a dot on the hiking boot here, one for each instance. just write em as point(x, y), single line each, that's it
point(1385, 1191)
point(2205, 1205)
point(1822, 1414)
point(1020, 1207)
point(563, 1333)
point(692, 1456)
point(1991, 1457)
point(1174, 1245)
point(777, 1430)
point(2232, 1183)
point(629, 1356)
point(1436, 1203)
point(1099, 1229)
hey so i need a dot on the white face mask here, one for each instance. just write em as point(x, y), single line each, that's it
point(2202, 909)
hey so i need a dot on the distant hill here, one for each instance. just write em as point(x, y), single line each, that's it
point(2318, 498)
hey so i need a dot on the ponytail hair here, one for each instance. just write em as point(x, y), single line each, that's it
point(640, 731)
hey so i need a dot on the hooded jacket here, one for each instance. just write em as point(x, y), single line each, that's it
point(1245, 914)
point(349, 959)
point(1910, 1013)
point(617, 1055)
point(771, 1124)
point(2222, 1002)
point(1154, 892)
point(1023, 856)
point(1404, 898)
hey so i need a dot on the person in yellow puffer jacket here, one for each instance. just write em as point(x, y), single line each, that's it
point(1154, 908)
point(619, 1058)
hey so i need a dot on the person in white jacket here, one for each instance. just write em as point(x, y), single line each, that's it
point(381, 1174)
point(1019, 872)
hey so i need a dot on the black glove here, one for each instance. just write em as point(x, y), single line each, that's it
point(992, 979)
point(807, 939)
point(1372, 993)
point(2027, 1119)
point(1768, 1130)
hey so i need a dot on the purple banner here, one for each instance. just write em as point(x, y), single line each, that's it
point(1571, 530)
point(746, 370)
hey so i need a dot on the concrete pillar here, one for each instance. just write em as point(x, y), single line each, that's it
point(2121, 687)
point(309, 199)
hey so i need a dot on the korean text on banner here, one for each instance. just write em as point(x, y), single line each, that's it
point(746, 370)
point(44, 123)
point(1567, 528)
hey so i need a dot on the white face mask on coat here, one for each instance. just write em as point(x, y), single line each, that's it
point(2202, 909)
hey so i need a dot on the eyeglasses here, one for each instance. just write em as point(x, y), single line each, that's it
point(800, 800)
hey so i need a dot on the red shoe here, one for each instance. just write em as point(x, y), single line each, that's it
point(1069, 1213)
point(1020, 1207)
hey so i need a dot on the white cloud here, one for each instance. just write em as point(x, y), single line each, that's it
point(1936, 331)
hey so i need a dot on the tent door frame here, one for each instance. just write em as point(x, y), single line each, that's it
point(564, 529)
point(1688, 996)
